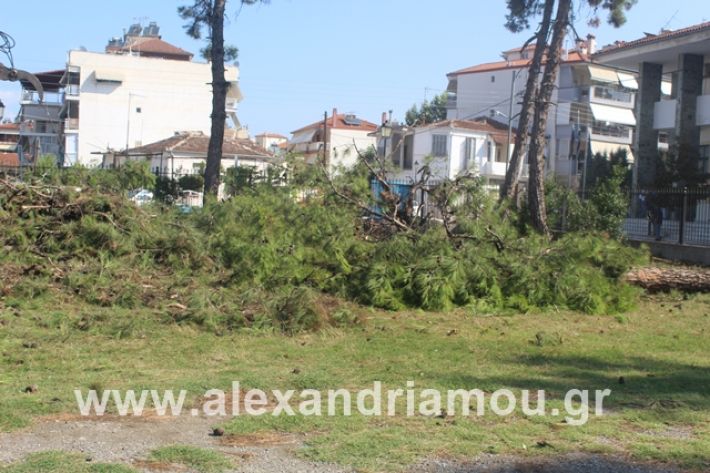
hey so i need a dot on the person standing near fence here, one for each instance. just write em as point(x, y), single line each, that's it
point(655, 216)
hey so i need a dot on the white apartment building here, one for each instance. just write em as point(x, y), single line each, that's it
point(673, 102)
point(140, 90)
point(592, 105)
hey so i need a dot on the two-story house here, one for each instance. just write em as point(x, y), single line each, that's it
point(343, 135)
point(449, 148)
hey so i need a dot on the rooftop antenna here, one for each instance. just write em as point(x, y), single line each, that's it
point(670, 19)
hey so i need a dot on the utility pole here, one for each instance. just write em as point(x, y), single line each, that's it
point(510, 119)
point(325, 140)
point(586, 158)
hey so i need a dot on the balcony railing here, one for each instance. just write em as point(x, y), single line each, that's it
point(71, 90)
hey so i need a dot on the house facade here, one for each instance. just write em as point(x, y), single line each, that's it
point(673, 100)
point(185, 153)
point(450, 149)
point(273, 142)
point(592, 104)
point(140, 90)
point(344, 134)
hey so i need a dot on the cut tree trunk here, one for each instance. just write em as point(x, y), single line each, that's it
point(219, 100)
point(536, 153)
point(666, 279)
point(512, 176)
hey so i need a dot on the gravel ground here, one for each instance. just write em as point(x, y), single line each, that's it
point(571, 463)
point(128, 440)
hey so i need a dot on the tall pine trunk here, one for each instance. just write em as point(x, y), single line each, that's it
point(219, 99)
point(512, 176)
point(536, 153)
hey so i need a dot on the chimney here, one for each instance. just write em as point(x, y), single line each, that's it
point(334, 118)
point(591, 44)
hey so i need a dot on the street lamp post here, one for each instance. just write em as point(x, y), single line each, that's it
point(385, 133)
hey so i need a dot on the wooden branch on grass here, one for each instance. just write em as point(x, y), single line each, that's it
point(666, 279)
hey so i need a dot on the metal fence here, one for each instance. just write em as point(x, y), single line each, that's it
point(676, 215)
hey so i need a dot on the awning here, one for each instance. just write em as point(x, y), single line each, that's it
point(303, 137)
point(234, 92)
point(603, 148)
point(607, 113)
point(603, 75)
point(628, 81)
point(666, 87)
point(108, 75)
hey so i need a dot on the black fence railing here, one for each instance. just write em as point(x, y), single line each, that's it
point(676, 215)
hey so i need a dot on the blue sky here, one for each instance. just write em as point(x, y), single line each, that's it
point(300, 58)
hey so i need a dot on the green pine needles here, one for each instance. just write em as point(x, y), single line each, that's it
point(266, 260)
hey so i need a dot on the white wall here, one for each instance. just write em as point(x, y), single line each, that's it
point(451, 166)
point(172, 95)
point(185, 164)
point(341, 145)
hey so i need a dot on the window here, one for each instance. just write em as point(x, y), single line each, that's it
point(469, 153)
point(489, 151)
point(438, 145)
point(407, 152)
point(493, 78)
point(704, 152)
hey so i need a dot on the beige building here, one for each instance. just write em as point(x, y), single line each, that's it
point(271, 141)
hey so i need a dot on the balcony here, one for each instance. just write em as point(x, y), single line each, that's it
point(495, 169)
point(31, 97)
point(703, 111)
point(308, 148)
point(611, 96)
point(664, 114)
point(71, 91)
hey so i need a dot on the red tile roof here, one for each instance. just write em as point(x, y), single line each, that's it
point(4, 127)
point(9, 159)
point(153, 47)
point(499, 131)
point(651, 38)
point(197, 143)
point(572, 57)
point(340, 124)
point(271, 135)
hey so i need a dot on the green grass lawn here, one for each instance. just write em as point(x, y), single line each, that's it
point(660, 412)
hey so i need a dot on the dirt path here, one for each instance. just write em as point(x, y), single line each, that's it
point(129, 441)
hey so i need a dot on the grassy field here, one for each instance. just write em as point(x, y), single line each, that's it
point(660, 351)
